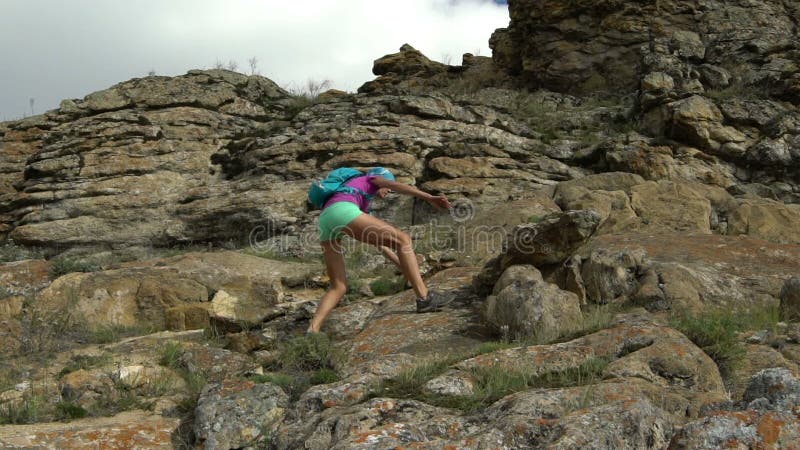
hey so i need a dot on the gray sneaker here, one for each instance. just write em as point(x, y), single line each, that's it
point(432, 302)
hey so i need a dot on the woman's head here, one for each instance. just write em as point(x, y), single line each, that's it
point(381, 172)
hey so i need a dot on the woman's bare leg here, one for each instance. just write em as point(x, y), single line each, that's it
point(390, 255)
point(371, 230)
point(334, 264)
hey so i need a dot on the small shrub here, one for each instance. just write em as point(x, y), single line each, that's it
point(158, 386)
point(305, 96)
point(409, 383)
point(10, 375)
point(306, 353)
point(43, 328)
point(170, 354)
point(63, 266)
point(715, 334)
point(69, 411)
point(354, 287)
point(324, 376)
point(10, 252)
point(738, 90)
point(280, 379)
point(118, 400)
point(387, 285)
point(716, 331)
point(194, 385)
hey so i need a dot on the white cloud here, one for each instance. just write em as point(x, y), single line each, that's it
point(54, 49)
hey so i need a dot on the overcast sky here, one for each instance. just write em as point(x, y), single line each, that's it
point(56, 49)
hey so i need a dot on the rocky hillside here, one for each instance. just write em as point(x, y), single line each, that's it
point(623, 256)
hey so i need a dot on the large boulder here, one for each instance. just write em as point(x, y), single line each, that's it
point(550, 241)
point(607, 276)
point(697, 121)
point(523, 305)
point(748, 429)
point(766, 418)
point(235, 414)
point(775, 388)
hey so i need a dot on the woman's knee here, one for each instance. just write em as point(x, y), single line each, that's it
point(399, 240)
point(404, 241)
point(338, 288)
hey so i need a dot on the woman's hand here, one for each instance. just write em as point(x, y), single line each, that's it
point(439, 201)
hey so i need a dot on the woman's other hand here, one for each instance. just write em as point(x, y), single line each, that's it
point(439, 201)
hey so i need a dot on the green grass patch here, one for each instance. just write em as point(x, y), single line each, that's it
point(324, 376)
point(63, 266)
point(716, 332)
point(302, 362)
point(493, 346)
point(194, 385)
point(491, 383)
point(280, 379)
point(593, 318)
point(408, 384)
point(308, 353)
point(387, 285)
point(171, 354)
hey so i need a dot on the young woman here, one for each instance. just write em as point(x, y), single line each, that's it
point(348, 213)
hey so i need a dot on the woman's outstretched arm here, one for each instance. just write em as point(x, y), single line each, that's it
point(439, 201)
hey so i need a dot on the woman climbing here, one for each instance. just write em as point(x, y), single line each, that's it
point(347, 212)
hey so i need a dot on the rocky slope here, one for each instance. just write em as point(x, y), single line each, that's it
point(623, 255)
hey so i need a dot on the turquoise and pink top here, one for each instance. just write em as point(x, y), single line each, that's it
point(363, 183)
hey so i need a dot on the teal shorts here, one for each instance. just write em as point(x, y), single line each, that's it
point(334, 218)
